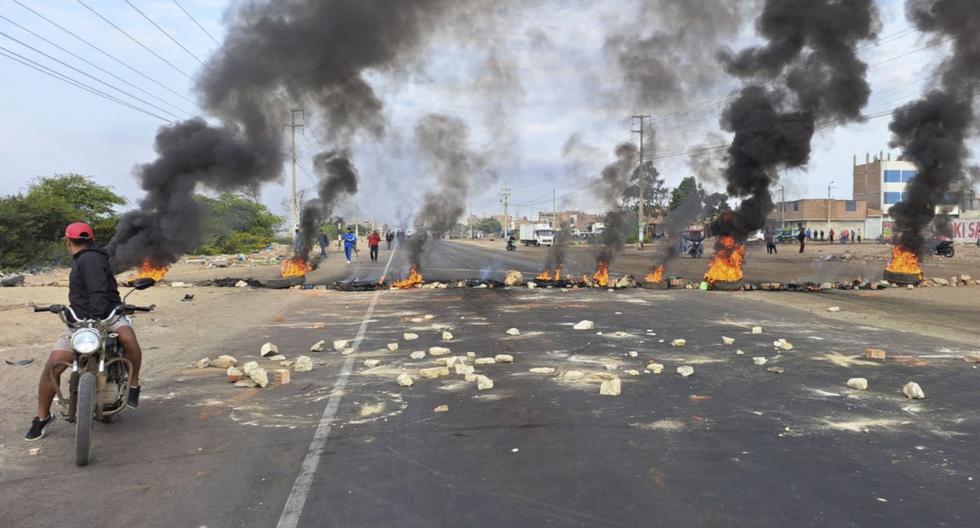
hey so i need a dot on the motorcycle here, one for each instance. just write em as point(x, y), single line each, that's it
point(942, 247)
point(511, 245)
point(98, 384)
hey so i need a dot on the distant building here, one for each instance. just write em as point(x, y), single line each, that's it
point(821, 214)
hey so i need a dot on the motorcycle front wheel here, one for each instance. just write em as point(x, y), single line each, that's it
point(948, 252)
point(83, 418)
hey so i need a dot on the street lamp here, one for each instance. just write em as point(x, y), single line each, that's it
point(829, 187)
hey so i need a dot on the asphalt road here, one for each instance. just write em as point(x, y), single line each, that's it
point(732, 445)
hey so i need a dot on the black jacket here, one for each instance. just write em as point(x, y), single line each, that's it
point(92, 288)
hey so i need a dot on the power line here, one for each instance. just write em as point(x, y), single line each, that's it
point(14, 56)
point(107, 54)
point(92, 64)
point(144, 46)
point(171, 37)
point(96, 79)
point(206, 32)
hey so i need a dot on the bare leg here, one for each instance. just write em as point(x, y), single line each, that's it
point(132, 352)
point(45, 390)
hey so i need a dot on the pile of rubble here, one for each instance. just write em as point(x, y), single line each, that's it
point(271, 368)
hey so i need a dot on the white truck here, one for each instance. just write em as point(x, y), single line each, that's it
point(537, 234)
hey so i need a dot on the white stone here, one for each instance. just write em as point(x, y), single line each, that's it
point(759, 360)
point(782, 344)
point(340, 344)
point(371, 363)
point(739, 352)
point(513, 332)
point(233, 372)
point(393, 347)
point(246, 384)
point(542, 370)
point(447, 335)
point(224, 361)
point(428, 317)
point(678, 342)
point(319, 346)
point(756, 329)
point(471, 355)
point(268, 349)
point(433, 372)
point(260, 377)
point(633, 372)
point(613, 387)
point(418, 354)
point(277, 357)
point(584, 324)
point(685, 370)
point(241, 284)
point(202, 363)
point(632, 353)
point(483, 382)
point(441, 409)
point(249, 366)
point(485, 361)
point(727, 340)
point(532, 285)
point(514, 278)
point(439, 351)
point(503, 358)
point(462, 369)
point(408, 336)
point(469, 378)
point(572, 375)
point(303, 364)
point(858, 383)
point(404, 380)
point(913, 391)
point(655, 368)
point(836, 308)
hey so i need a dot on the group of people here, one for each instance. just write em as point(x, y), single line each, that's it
point(348, 242)
point(805, 235)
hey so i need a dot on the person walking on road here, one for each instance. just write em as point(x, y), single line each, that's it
point(821, 235)
point(830, 235)
point(374, 240)
point(389, 238)
point(324, 242)
point(801, 236)
point(350, 243)
point(770, 243)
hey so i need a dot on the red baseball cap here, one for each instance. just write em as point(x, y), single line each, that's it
point(79, 230)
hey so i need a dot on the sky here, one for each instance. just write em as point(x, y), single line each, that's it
point(530, 83)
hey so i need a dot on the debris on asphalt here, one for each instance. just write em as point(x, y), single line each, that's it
point(513, 332)
point(234, 375)
point(319, 346)
point(469, 378)
point(858, 383)
point(471, 355)
point(685, 370)
point(572, 375)
point(418, 354)
point(874, 353)
point(782, 344)
point(627, 281)
point(441, 409)
point(268, 349)
point(484, 361)
point(246, 384)
point(971, 358)
point(428, 317)
point(836, 308)
point(241, 284)
point(404, 380)
point(393, 347)
point(633, 372)
point(503, 358)
point(483, 382)
point(759, 360)
point(34, 451)
point(463, 369)
point(739, 352)
point(439, 351)
point(727, 340)
point(260, 377)
point(542, 370)
point(611, 387)
point(655, 368)
point(775, 370)
point(371, 410)
point(319, 326)
point(11, 281)
point(371, 363)
point(756, 329)
point(913, 391)
point(280, 377)
point(249, 366)
point(433, 372)
point(277, 357)
point(303, 364)
point(632, 353)
point(224, 361)
point(19, 363)
point(678, 342)
point(584, 324)
point(340, 344)
point(514, 278)
point(408, 336)
point(447, 335)
point(202, 363)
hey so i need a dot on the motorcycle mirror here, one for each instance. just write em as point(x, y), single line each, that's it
point(142, 283)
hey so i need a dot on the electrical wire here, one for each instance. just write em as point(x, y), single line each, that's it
point(171, 37)
point(196, 22)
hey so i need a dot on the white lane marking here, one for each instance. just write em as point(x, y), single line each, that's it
point(293, 509)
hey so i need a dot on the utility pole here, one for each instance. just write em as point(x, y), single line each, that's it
point(554, 211)
point(782, 207)
point(504, 197)
point(640, 213)
point(830, 186)
point(293, 125)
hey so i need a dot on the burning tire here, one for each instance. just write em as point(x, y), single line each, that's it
point(902, 278)
point(726, 285)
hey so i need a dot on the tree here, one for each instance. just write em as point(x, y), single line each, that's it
point(687, 186)
point(236, 224)
point(654, 189)
point(489, 226)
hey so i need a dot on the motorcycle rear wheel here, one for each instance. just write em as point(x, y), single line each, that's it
point(948, 252)
point(83, 418)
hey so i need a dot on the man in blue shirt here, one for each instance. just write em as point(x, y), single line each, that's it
point(350, 241)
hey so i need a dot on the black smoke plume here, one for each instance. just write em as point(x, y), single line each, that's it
point(932, 132)
point(610, 186)
point(337, 177)
point(444, 142)
point(810, 60)
point(555, 259)
point(276, 56)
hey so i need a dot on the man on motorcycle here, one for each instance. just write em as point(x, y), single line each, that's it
point(92, 293)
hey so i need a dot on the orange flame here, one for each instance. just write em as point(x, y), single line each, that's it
point(294, 267)
point(414, 278)
point(655, 275)
point(726, 264)
point(601, 275)
point(547, 276)
point(904, 261)
point(150, 271)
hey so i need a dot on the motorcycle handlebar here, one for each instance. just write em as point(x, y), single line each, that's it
point(54, 308)
point(131, 308)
